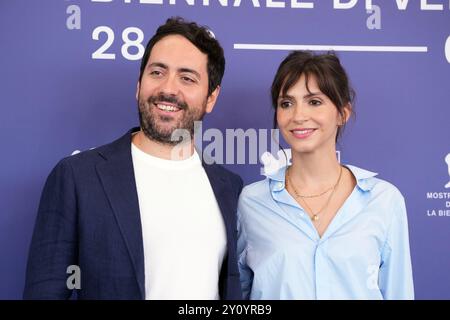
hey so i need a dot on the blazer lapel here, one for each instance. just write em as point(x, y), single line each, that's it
point(220, 186)
point(117, 177)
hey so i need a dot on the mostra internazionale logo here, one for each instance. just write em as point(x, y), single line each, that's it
point(442, 209)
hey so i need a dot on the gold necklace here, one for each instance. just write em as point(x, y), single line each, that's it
point(315, 216)
point(312, 195)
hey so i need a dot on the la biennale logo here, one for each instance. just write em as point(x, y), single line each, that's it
point(441, 199)
point(447, 161)
point(272, 164)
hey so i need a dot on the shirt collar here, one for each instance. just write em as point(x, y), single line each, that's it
point(277, 179)
point(364, 178)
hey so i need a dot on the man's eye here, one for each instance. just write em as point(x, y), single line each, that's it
point(155, 73)
point(187, 79)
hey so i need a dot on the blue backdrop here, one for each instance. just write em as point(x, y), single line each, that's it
point(68, 79)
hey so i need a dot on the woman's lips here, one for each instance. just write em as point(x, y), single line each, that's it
point(303, 133)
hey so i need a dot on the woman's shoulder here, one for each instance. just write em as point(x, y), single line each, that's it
point(370, 181)
point(256, 189)
point(273, 181)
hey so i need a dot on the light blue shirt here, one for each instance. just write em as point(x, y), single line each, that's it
point(363, 254)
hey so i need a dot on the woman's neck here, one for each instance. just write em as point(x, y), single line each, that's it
point(313, 172)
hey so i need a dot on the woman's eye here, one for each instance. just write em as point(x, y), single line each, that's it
point(285, 104)
point(315, 102)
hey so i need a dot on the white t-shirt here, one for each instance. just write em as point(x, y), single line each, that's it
point(182, 228)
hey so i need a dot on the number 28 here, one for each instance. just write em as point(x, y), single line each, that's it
point(128, 43)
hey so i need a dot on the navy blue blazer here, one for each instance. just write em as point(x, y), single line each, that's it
point(89, 217)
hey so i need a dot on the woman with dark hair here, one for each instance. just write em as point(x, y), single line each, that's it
point(317, 229)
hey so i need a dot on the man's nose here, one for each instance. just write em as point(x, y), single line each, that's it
point(169, 85)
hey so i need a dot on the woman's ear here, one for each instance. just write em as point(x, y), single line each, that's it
point(347, 112)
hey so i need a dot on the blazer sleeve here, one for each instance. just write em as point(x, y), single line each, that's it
point(54, 243)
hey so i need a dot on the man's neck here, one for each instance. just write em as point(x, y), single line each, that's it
point(161, 150)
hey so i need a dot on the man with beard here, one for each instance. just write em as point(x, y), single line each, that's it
point(135, 219)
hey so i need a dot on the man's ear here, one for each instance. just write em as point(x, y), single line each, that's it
point(137, 90)
point(211, 100)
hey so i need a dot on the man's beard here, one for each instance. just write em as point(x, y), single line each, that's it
point(151, 122)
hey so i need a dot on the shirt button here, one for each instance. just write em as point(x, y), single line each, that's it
point(280, 185)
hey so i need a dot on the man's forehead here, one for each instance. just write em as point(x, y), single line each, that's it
point(177, 51)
